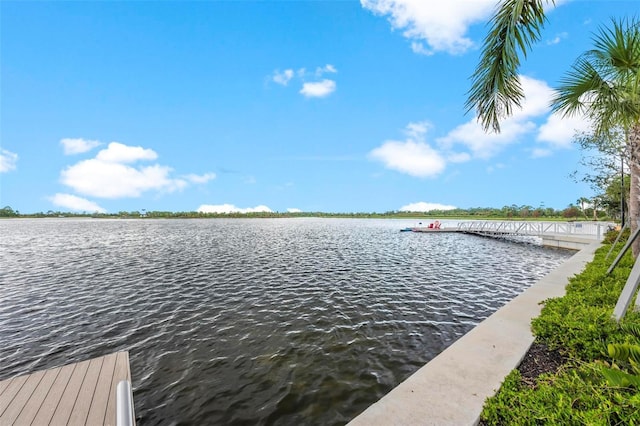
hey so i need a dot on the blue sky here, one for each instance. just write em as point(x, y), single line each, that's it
point(333, 106)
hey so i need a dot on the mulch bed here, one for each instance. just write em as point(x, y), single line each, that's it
point(539, 360)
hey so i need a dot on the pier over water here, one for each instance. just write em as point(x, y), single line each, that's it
point(569, 235)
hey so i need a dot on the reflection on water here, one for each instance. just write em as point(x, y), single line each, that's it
point(274, 321)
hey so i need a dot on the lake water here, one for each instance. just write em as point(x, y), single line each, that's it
point(250, 322)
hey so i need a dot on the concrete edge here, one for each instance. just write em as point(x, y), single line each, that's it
point(451, 389)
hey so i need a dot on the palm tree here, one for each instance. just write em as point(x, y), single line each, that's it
point(610, 98)
point(604, 85)
point(495, 88)
point(583, 201)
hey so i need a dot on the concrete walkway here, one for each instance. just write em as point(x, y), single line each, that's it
point(452, 388)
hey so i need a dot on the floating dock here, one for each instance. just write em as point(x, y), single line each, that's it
point(434, 230)
point(83, 393)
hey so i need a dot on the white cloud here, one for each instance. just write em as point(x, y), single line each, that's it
point(112, 175)
point(193, 178)
point(319, 89)
point(77, 145)
point(294, 210)
point(537, 101)
point(113, 180)
point(76, 203)
point(417, 130)
point(458, 157)
point(283, 77)
point(120, 153)
point(326, 69)
point(442, 26)
point(425, 207)
point(554, 40)
point(469, 140)
point(559, 132)
point(558, 38)
point(8, 161)
point(330, 68)
point(310, 89)
point(538, 97)
point(486, 145)
point(556, 132)
point(412, 156)
point(419, 48)
point(230, 208)
point(435, 26)
point(540, 152)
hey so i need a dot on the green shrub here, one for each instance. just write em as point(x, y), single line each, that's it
point(578, 331)
point(575, 396)
point(611, 236)
point(591, 389)
point(580, 324)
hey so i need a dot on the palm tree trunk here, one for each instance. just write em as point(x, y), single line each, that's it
point(633, 143)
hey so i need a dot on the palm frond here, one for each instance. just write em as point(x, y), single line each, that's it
point(573, 95)
point(603, 82)
point(495, 88)
point(621, 45)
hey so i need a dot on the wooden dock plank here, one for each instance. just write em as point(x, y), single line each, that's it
point(38, 397)
point(21, 398)
point(10, 392)
point(68, 399)
point(52, 399)
point(98, 409)
point(3, 385)
point(85, 396)
point(121, 372)
point(77, 394)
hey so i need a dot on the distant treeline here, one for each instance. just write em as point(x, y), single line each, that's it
point(506, 212)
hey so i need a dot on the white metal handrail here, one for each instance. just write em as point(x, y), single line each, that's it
point(124, 404)
point(592, 230)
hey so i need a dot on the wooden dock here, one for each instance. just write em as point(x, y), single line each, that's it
point(77, 394)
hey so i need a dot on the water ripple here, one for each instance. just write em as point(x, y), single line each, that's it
point(267, 322)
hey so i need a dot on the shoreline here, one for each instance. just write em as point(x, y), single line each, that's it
point(451, 389)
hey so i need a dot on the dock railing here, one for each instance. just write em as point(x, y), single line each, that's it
point(591, 230)
point(124, 404)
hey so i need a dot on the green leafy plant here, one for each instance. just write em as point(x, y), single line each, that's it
point(627, 373)
point(577, 395)
point(589, 389)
